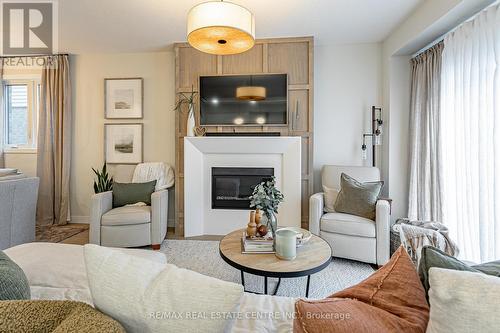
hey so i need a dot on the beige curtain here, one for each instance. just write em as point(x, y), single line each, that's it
point(426, 179)
point(54, 142)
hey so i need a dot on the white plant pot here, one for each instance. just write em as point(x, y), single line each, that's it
point(190, 122)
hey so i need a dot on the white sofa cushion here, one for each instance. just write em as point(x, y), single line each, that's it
point(57, 271)
point(127, 215)
point(347, 224)
point(151, 297)
point(253, 309)
point(54, 271)
point(463, 301)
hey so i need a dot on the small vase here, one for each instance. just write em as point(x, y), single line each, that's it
point(258, 217)
point(271, 222)
point(251, 229)
point(190, 122)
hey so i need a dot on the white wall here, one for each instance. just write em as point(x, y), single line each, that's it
point(400, 86)
point(88, 73)
point(347, 82)
point(24, 161)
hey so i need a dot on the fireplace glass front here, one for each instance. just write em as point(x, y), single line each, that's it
point(232, 187)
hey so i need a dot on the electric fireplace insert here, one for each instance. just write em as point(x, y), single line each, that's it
point(232, 187)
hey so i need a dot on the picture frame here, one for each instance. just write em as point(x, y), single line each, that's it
point(123, 143)
point(123, 98)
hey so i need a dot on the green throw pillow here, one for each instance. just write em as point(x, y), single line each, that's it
point(490, 268)
point(433, 257)
point(13, 282)
point(358, 198)
point(131, 193)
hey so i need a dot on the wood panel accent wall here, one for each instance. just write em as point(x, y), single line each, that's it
point(293, 56)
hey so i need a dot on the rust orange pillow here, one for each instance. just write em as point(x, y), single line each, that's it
point(391, 300)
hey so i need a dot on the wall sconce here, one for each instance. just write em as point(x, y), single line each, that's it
point(376, 134)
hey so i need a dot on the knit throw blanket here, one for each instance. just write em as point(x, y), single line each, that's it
point(54, 316)
point(416, 234)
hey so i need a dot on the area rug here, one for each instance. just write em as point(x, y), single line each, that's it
point(203, 257)
point(57, 233)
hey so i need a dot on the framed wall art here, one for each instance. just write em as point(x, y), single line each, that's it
point(123, 98)
point(123, 143)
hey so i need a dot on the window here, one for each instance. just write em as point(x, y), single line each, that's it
point(21, 103)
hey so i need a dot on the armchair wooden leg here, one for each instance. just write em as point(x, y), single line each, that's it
point(155, 247)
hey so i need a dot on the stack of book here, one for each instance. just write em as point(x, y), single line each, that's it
point(256, 244)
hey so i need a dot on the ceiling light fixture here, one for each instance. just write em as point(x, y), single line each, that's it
point(219, 27)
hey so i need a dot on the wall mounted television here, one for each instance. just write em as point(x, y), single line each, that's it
point(222, 103)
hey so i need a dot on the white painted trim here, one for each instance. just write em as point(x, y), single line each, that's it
point(35, 77)
point(10, 150)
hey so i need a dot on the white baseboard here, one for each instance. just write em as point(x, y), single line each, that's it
point(80, 219)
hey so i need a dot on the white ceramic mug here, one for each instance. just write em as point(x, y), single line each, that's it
point(286, 244)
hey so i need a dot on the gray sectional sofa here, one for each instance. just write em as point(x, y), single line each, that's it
point(18, 198)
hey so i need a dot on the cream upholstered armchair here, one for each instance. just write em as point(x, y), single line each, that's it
point(133, 226)
point(350, 236)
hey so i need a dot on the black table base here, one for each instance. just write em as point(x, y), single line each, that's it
point(275, 289)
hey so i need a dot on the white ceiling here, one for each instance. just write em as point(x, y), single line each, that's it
point(95, 26)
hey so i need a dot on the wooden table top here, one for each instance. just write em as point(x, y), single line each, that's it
point(312, 257)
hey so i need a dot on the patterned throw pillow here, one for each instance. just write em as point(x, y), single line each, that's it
point(391, 300)
point(358, 198)
point(13, 282)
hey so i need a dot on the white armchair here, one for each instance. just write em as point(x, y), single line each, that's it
point(351, 236)
point(128, 226)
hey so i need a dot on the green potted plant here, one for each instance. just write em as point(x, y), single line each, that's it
point(187, 99)
point(104, 182)
point(267, 198)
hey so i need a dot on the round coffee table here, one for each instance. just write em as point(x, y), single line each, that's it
point(312, 257)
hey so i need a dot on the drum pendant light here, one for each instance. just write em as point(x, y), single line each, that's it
point(222, 28)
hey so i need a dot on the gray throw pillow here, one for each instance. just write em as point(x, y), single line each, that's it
point(433, 257)
point(358, 198)
point(131, 193)
point(13, 282)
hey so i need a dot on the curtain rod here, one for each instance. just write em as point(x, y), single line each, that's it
point(441, 37)
point(33, 56)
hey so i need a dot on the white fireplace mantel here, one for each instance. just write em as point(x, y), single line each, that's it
point(201, 154)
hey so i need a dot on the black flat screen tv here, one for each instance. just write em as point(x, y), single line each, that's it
point(220, 104)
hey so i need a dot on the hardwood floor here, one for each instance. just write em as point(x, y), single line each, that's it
point(83, 237)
